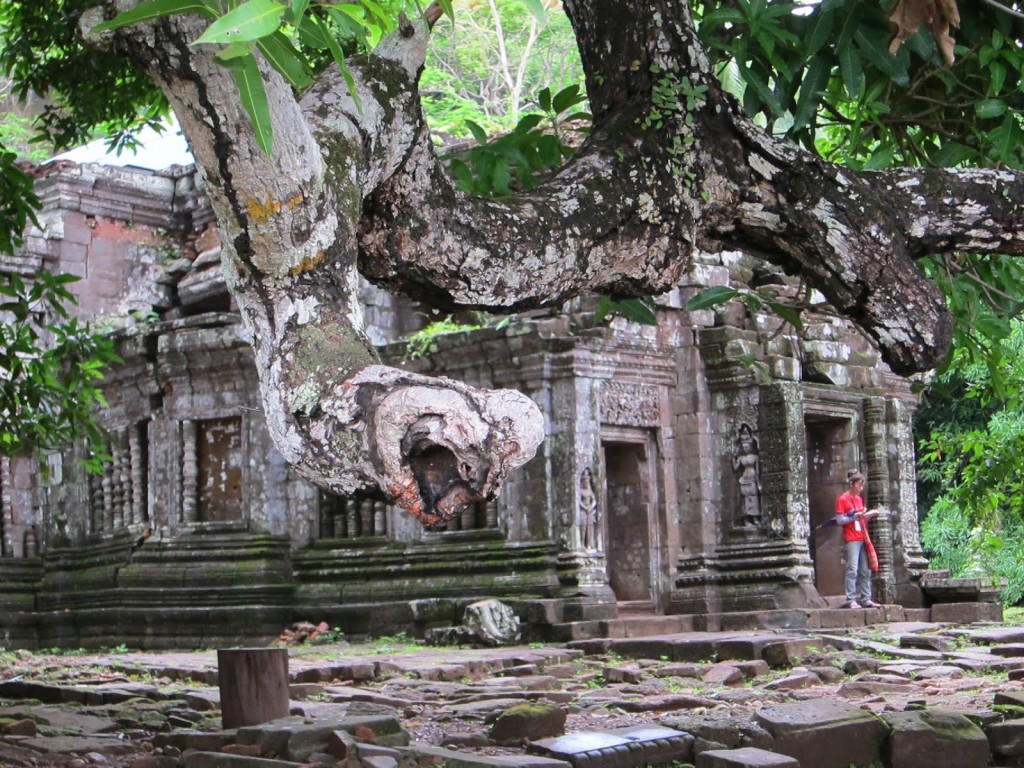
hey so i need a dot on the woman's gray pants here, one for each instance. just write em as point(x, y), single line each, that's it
point(858, 574)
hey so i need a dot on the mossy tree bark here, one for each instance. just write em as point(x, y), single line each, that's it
point(349, 189)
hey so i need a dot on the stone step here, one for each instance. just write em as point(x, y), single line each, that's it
point(832, 617)
point(624, 626)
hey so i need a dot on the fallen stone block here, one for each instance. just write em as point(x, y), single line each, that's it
point(966, 613)
point(926, 642)
point(452, 759)
point(824, 733)
point(747, 757)
point(1006, 739)
point(787, 653)
point(793, 682)
point(23, 727)
point(225, 760)
point(654, 745)
point(723, 673)
point(529, 722)
point(917, 739)
point(726, 731)
point(200, 741)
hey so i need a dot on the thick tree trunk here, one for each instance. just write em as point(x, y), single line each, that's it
point(346, 186)
point(253, 685)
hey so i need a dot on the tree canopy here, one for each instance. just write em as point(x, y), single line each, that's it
point(319, 163)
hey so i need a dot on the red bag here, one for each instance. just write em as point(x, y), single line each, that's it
point(872, 555)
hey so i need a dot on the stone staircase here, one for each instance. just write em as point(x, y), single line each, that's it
point(640, 620)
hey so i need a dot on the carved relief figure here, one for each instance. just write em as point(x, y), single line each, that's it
point(588, 518)
point(746, 461)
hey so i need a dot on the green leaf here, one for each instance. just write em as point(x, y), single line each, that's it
point(156, 9)
point(760, 87)
point(1006, 138)
point(544, 99)
point(876, 50)
point(500, 177)
point(550, 150)
point(250, 21)
point(641, 310)
point(788, 313)
point(567, 97)
point(311, 35)
point(819, 31)
point(536, 7)
point(814, 83)
point(246, 73)
point(286, 59)
point(385, 21)
point(711, 297)
point(339, 59)
point(850, 69)
point(479, 134)
point(235, 50)
point(296, 11)
point(527, 123)
point(990, 108)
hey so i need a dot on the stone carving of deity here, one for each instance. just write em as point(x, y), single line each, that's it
point(588, 516)
point(746, 462)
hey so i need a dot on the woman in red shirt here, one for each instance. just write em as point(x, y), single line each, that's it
point(851, 515)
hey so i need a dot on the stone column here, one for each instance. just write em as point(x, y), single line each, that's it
point(189, 473)
point(6, 510)
point(137, 460)
point(879, 494)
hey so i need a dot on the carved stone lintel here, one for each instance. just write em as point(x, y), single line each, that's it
point(629, 405)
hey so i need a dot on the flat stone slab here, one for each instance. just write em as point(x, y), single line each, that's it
point(453, 759)
point(226, 760)
point(1012, 650)
point(997, 635)
point(640, 745)
point(79, 745)
point(747, 757)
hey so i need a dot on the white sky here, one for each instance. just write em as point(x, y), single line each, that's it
point(157, 151)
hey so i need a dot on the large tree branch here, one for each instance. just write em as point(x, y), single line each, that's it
point(288, 224)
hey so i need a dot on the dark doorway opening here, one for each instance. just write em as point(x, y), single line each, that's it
point(830, 452)
point(628, 501)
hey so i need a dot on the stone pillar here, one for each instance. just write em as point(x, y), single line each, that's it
point(909, 561)
point(6, 510)
point(783, 461)
point(351, 518)
point(876, 467)
point(137, 460)
point(107, 490)
point(189, 473)
point(119, 489)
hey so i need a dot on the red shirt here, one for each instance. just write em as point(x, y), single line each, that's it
point(845, 504)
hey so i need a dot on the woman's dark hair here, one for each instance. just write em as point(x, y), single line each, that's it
point(853, 476)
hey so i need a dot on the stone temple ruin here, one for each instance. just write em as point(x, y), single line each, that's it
point(686, 466)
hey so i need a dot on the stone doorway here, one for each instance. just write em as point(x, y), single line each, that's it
point(830, 452)
point(631, 526)
point(220, 460)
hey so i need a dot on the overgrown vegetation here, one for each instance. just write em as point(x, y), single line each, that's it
point(971, 433)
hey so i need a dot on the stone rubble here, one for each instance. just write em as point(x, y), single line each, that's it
point(897, 695)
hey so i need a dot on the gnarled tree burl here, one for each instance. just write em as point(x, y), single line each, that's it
point(349, 188)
